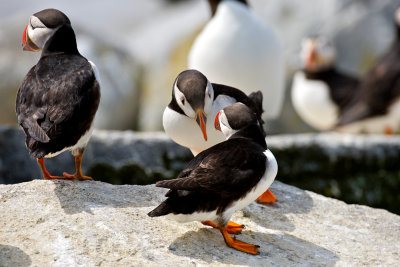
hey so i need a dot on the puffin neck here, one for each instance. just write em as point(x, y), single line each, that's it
point(214, 5)
point(63, 41)
point(318, 75)
point(252, 132)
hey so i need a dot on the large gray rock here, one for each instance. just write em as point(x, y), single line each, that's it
point(354, 168)
point(67, 223)
point(360, 169)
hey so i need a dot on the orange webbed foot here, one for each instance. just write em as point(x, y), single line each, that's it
point(266, 198)
point(76, 176)
point(237, 244)
point(46, 174)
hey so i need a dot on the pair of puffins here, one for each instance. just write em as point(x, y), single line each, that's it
point(58, 99)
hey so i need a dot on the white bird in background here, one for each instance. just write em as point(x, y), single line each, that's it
point(237, 48)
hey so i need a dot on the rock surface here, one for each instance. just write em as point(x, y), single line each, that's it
point(67, 223)
point(354, 168)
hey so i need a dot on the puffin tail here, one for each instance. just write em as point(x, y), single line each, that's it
point(257, 98)
point(160, 210)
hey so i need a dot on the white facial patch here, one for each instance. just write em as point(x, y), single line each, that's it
point(325, 52)
point(224, 124)
point(38, 32)
point(397, 16)
point(208, 98)
point(183, 103)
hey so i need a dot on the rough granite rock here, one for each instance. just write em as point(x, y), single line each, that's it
point(354, 168)
point(69, 223)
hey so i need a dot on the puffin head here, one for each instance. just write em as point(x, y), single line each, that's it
point(317, 54)
point(233, 118)
point(194, 94)
point(41, 27)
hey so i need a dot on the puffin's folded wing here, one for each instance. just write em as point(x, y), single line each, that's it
point(221, 170)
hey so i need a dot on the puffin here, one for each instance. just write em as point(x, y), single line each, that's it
point(320, 92)
point(223, 178)
point(58, 98)
point(194, 100)
point(377, 107)
point(237, 48)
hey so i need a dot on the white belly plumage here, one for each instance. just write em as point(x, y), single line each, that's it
point(82, 142)
point(238, 49)
point(186, 132)
point(311, 100)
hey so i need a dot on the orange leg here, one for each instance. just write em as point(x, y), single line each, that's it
point(46, 174)
point(78, 174)
point(389, 130)
point(266, 198)
point(232, 228)
point(237, 244)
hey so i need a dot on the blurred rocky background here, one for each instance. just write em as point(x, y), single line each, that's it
point(140, 46)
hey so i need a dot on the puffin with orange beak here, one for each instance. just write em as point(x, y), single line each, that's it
point(189, 118)
point(223, 178)
point(59, 97)
point(321, 92)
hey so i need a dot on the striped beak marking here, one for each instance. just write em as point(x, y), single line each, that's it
point(201, 119)
point(216, 122)
point(27, 43)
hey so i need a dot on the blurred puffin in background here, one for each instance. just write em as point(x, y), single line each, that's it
point(189, 118)
point(224, 178)
point(377, 107)
point(237, 48)
point(59, 97)
point(320, 92)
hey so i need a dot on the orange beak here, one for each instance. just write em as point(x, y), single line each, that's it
point(201, 120)
point(312, 57)
point(216, 123)
point(27, 44)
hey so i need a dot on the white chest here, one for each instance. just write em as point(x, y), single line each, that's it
point(265, 182)
point(238, 49)
point(186, 132)
point(311, 100)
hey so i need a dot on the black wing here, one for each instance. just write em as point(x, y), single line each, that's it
point(378, 90)
point(229, 168)
point(56, 102)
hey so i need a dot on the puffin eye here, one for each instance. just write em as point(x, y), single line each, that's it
point(183, 101)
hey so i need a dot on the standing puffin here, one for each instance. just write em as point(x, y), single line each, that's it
point(377, 107)
point(237, 48)
point(59, 96)
point(224, 178)
point(194, 99)
point(320, 92)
